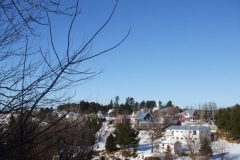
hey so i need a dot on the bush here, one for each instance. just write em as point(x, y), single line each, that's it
point(110, 145)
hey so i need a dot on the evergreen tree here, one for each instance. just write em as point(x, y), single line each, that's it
point(136, 105)
point(110, 145)
point(168, 153)
point(126, 136)
point(235, 121)
point(228, 120)
point(116, 101)
point(142, 104)
point(150, 104)
point(222, 119)
point(169, 104)
point(111, 104)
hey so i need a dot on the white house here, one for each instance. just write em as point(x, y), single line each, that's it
point(99, 113)
point(110, 112)
point(70, 115)
point(175, 136)
point(187, 133)
point(144, 120)
point(62, 113)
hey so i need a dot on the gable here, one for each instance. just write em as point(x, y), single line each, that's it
point(144, 116)
point(148, 117)
point(189, 111)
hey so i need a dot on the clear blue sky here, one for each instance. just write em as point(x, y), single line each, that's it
point(185, 51)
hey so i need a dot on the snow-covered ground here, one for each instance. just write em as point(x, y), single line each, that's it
point(231, 150)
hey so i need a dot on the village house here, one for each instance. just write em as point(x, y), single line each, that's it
point(123, 119)
point(187, 133)
point(175, 136)
point(144, 120)
point(133, 116)
point(91, 117)
point(70, 116)
point(189, 115)
point(62, 113)
point(99, 113)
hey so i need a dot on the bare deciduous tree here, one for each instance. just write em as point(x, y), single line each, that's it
point(154, 135)
point(220, 147)
point(34, 76)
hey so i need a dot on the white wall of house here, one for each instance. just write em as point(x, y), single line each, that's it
point(175, 147)
point(185, 133)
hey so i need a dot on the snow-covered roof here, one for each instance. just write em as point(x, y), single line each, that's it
point(189, 111)
point(142, 115)
point(125, 116)
point(186, 127)
point(111, 111)
point(135, 113)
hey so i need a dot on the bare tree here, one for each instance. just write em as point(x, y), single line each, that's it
point(201, 111)
point(32, 76)
point(154, 135)
point(198, 149)
point(157, 117)
point(207, 110)
point(220, 147)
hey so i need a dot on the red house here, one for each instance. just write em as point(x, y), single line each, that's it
point(123, 119)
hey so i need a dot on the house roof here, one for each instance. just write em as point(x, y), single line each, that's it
point(142, 115)
point(190, 111)
point(186, 127)
point(124, 116)
point(135, 113)
point(111, 111)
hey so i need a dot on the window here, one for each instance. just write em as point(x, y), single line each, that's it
point(177, 137)
point(162, 144)
point(182, 138)
point(194, 132)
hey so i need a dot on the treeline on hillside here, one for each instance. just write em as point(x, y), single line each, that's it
point(128, 107)
point(84, 106)
point(63, 140)
point(228, 120)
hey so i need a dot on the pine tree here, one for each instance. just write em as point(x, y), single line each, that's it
point(110, 145)
point(126, 136)
point(168, 153)
point(235, 120)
